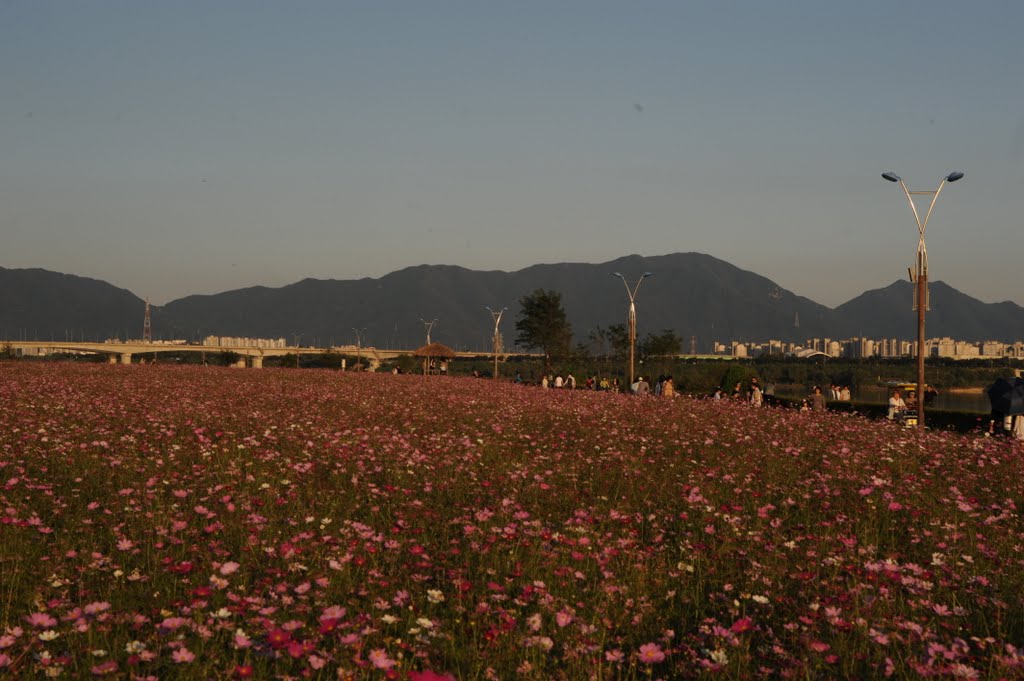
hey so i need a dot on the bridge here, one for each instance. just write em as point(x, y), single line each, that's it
point(122, 353)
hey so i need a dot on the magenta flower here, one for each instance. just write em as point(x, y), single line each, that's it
point(651, 653)
point(379, 658)
point(427, 675)
point(41, 620)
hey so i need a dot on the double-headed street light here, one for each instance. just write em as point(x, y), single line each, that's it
point(497, 335)
point(631, 292)
point(920, 275)
point(428, 326)
point(359, 347)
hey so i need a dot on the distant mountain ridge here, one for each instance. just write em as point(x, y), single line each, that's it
point(695, 295)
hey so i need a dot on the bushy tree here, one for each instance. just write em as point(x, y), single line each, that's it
point(543, 325)
point(662, 344)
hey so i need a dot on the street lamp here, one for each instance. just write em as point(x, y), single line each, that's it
point(359, 348)
point(920, 275)
point(497, 336)
point(298, 337)
point(632, 317)
point(428, 326)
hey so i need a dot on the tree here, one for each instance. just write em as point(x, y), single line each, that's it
point(618, 339)
point(543, 324)
point(665, 343)
point(8, 352)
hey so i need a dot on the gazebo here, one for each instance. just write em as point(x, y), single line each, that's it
point(432, 351)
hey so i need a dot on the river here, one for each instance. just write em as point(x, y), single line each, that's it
point(964, 399)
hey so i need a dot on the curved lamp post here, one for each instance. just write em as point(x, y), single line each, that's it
point(920, 275)
point(496, 314)
point(428, 326)
point(631, 292)
point(359, 347)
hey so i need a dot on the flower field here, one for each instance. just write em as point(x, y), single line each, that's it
point(171, 522)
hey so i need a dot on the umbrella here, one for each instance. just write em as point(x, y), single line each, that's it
point(1007, 396)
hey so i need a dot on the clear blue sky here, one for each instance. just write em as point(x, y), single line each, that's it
point(193, 147)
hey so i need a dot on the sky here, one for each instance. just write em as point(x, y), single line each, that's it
point(177, 148)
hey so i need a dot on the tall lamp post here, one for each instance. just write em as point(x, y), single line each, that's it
point(298, 337)
point(359, 348)
point(920, 275)
point(497, 336)
point(428, 326)
point(631, 292)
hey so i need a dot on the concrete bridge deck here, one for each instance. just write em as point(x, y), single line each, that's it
point(248, 356)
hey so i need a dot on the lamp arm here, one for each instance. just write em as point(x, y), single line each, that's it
point(928, 215)
point(913, 207)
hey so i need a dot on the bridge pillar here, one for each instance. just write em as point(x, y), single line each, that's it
point(111, 359)
point(257, 361)
point(126, 358)
point(240, 363)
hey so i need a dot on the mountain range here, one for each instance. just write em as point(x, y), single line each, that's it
point(693, 294)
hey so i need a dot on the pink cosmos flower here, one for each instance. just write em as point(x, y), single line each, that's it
point(183, 656)
point(108, 667)
point(41, 620)
point(229, 568)
point(379, 658)
point(427, 675)
point(563, 618)
point(651, 653)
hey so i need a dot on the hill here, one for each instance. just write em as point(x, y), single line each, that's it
point(38, 304)
point(695, 295)
point(692, 293)
point(888, 313)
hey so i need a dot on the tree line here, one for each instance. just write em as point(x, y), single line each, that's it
point(543, 325)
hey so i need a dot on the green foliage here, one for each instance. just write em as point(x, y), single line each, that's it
point(228, 358)
point(618, 339)
point(543, 324)
point(7, 351)
point(665, 343)
point(737, 373)
point(611, 343)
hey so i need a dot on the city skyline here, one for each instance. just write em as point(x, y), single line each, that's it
point(195, 148)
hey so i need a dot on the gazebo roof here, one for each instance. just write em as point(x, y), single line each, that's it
point(434, 350)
